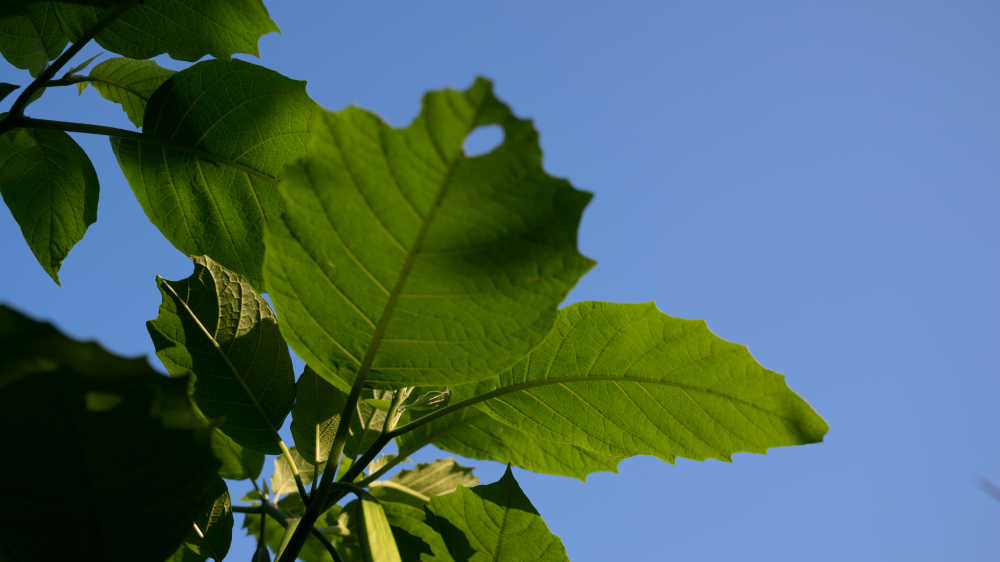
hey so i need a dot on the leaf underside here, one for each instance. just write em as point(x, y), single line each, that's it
point(215, 326)
point(31, 36)
point(51, 188)
point(129, 83)
point(397, 251)
point(231, 127)
point(617, 380)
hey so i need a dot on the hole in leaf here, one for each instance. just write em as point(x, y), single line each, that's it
point(482, 140)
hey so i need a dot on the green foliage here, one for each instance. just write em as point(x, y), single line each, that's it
point(398, 252)
point(128, 82)
point(421, 286)
point(214, 326)
point(219, 134)
point(51, 188)
point(127, 432)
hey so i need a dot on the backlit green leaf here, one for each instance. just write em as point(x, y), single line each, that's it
point(184, 29)
point(31, 36)
point(216, 327)
point(418, 485)
point(283, 479)
point(378, 544)
point(229, 128)
point(495, 522)
point(214, 523)
point(618, 380)
point(108, 439)
point(397, 247)
point(331, 524)
point(415, 539)
point(51, 188)
point(238, 462)
point(128, 82)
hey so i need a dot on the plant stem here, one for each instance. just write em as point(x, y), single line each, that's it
point(17, 109)
point(271, 510)
point(295, 471)
point(10, 122)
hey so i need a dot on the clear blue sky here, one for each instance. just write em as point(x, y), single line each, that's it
point(818, 180)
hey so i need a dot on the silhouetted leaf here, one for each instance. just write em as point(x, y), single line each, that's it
point(103, 433)
point(215, 522)
point(31, 36)
point(6, 89)
point(51, 188)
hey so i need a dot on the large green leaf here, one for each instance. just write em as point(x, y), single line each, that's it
point(415, 539)
point(398, 253)
point(230, 127)
point(184, 29)
point(212, 531)
point(216, 327)
point(128, 82)
point(494, 522)
point(238, 462)
point(51, 188)
point(119, 459)
point(618, 380)
point(31, 36)
point(418, 485)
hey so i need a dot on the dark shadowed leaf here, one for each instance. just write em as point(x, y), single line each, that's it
point(216, 327)
point(396, 246)
point(496, 522)
point(231, 126)
point(119, 457)
point(31, 36)
point(616, 380)
point(214, 523)
point(51, 188)
point(331, 524)
point(316, 414)
point(184, 29)
point(128, 82)
point(6, 89)
point(238, 462)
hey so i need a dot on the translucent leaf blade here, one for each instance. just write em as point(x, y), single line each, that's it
point(214, 532)
point(230, 127)
point(31, 36)
point(51, 188)
point(393, 243)
point(129, 83)
point(184, 29)
point(617, 380)
point(215, 326)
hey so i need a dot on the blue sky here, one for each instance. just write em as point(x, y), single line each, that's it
point(817, 180)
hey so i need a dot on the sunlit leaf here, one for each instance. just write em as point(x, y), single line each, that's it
point(494, 522)
point(396, 246)
point(128, 82)
point(51, 188)
point(216, 327)
point(617, 380)
point(376, 538)
point(283, 479)
point(184, 29)
point(418, 485)
point(316, 415)
point(230, 127)
point(107, 438)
